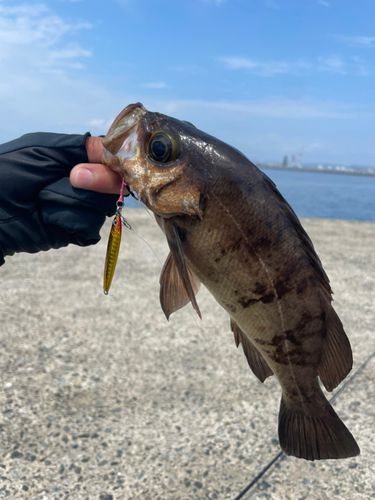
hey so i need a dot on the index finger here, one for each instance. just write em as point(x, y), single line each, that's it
point(94, 149)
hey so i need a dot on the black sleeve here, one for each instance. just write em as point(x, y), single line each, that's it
point(39, 208)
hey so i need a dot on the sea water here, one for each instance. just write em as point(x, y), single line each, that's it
point(328, 196)
point(322, 195)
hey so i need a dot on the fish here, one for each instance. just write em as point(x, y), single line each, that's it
point(229, 228)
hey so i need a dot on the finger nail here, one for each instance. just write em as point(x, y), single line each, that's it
point(84, 178)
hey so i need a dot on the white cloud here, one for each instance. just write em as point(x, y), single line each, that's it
point(31, 37)
point(361, 66)
point(43, 87)
point(99, 123)
point(332, 64)
point(357, 41)
point(40, 66)
point(155, 85)
point(266, 128)
point(269, 68)
point(96, 122)
point(283, 108)
point(27, 24)
point(329, 64)
point(324, 3)
point(282, 143)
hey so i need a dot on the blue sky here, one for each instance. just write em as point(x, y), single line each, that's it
point(270, 77)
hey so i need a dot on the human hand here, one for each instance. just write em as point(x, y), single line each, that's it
point(95, 176)
point(39, 207)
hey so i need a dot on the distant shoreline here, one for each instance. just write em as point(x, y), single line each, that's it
point(315, 170)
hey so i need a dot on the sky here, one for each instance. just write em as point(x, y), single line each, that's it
point(269, 77)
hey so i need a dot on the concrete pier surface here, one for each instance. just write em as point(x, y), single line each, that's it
point(102, 398)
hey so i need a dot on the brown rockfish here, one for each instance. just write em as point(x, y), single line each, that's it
point(228, 227)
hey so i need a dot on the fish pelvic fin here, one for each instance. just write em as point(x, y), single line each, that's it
point(337, 360)
point(175, 246)
point(173, 294)
point(254, 358)
point(315, 437)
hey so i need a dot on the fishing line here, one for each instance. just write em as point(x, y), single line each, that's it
point(132, 230)
point(281, 454)
point(140, 203)
point(363, 365)
point(126, 223)
point(256, 478)
point(149, 246)
point(143, 206)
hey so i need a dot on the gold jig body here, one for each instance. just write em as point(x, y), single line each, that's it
point(112, 253)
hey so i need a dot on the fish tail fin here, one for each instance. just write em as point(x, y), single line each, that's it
point(315, 437)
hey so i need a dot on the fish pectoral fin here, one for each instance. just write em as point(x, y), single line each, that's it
point(173, 294)
point(254, 358)
point(337, 360)
point(315, 437)
point(175, 246)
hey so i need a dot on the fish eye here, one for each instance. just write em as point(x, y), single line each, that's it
point(162, 148)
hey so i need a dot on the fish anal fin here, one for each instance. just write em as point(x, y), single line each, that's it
point(175, 246)
point(173, 294)
point(337, 360)
point(315, 438)
point(254, 358)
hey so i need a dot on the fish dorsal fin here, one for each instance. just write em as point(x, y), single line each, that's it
point(304, 238)
point(173, 294)
point(175, 246)
point(337, 359)
point(256, 361)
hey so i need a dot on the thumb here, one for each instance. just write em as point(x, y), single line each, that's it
point(95, 177)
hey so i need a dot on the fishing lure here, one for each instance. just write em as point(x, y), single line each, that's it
point(114, 242)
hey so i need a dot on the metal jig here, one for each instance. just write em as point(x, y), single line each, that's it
point(114, 242)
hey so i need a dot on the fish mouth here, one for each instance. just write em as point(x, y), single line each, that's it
point(122, 142)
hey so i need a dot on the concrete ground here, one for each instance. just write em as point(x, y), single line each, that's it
point(102, 398)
